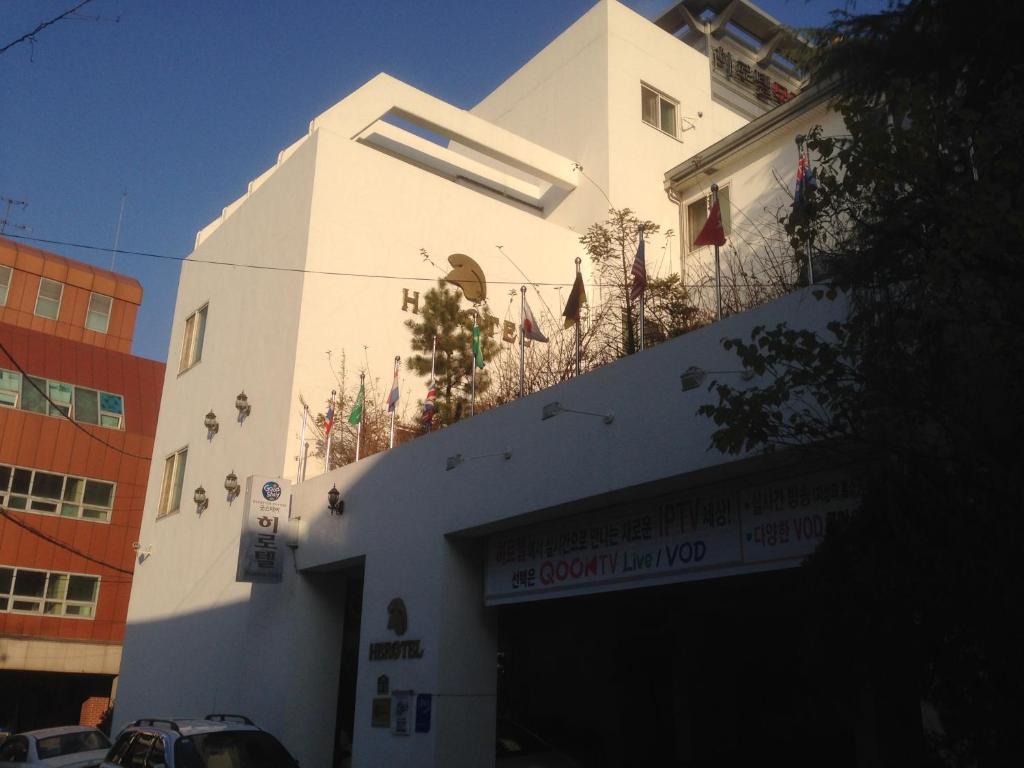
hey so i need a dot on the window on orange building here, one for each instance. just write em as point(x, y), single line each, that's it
point(49, 493)
point(10, 388)
point(98, 317)
point(48, 300)
point(5, 284)
point(24, 590)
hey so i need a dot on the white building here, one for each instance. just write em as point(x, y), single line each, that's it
point(445, 523)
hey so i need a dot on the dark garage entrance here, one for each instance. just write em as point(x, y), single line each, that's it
point(724, 672)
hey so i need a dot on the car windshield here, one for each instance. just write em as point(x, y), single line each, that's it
point(232, 749)
point(70, 743)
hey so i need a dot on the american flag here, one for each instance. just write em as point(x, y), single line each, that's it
point(329, 418)
point(639, 270)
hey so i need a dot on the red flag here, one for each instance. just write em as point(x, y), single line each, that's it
point(713, 232)
point(639, 271)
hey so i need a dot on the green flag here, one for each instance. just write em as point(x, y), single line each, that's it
point(478, 351)
point(357, 410)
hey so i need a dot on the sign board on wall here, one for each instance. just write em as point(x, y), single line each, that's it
point(681, 537)
point(261, 549)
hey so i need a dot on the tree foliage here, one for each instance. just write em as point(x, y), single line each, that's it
point(443, 317)
point(917, 222)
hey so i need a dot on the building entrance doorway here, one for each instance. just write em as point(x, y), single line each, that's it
point(711, 673)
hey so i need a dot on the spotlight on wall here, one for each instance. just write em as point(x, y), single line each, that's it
point(211, 424)
point(692, 378)
point(334, 502)
point(199, 497)
point(242, 404)
point(553, 409)
point(231, 485)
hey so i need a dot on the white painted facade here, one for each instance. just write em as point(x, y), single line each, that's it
point(359, 195)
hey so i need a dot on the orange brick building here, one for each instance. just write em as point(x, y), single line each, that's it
point(77, 417)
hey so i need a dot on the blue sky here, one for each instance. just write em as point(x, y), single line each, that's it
point(182, 102)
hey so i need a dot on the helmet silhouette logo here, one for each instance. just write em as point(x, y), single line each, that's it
point(398, 619)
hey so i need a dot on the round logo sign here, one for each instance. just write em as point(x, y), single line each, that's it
point(271, 491)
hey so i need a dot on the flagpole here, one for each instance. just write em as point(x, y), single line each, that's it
point(806, 157)
point(327, 455)
point(394, 406)
point(579, 318)
point(718, 263)
point(522, 339)
point(472, 397)
point(300, 469)
point(433, 382)
point(359, 429)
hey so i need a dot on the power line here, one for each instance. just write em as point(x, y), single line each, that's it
point(79, 427)
point(30, 36)
point(6, 514)
point(323, 272)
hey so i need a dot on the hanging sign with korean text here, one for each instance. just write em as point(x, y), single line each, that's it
point(685, 536)
point(261, 549)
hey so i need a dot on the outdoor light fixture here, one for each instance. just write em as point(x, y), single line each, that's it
point(199, 497)
point(692, 378)
point(553, 409)
point(453, 461)
point(210, 422)
point(334, 502)
point(242, 404)
point(231, 484)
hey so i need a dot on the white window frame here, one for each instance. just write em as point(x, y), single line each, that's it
point(105, 417)
point(192, 342)
point(96, 299)
point(69, 503)
point(53, 604)
point(173, 482)
point(661, 98)
point(5, 283)
point(47, 282)
point(6, 392)
point(725, 205)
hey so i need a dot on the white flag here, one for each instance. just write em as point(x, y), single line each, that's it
point(531, 330)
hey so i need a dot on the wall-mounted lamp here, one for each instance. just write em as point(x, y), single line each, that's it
point(199, 497)
point(231, 485)
point(242, 404)
point(211, 424)
point(334, 502)
point(553, 409)
point(453, 461)
point(692, 378)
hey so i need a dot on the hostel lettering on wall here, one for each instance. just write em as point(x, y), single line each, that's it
point(411, 303)
point(398, 622)
point(750, 77)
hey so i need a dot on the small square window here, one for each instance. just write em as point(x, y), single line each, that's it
point(48, 301)
point(192, 343)
point(658, 110)
point(697, 216)
point(10, 388)
point(98, 317)
point(5, 284)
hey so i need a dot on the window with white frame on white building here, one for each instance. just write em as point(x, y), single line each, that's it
point(697, 215)
point(174, 479)
point(52, 493)
point(192, 343)
point(98, 317)
point(5, 283)
point(51, 593)
point(89, 406)
point(48, 300)
point(658, 110)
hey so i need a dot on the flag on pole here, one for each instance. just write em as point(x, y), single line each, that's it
point(531, 330)
point(639, 270)
point(478, 350)
point(805, 179)
point(357, 410)
point(429, 406)
point(393, 395)
point(329, 418)
point(577, 298)
point(713, 233)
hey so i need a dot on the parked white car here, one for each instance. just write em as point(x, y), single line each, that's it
point(69, 746)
